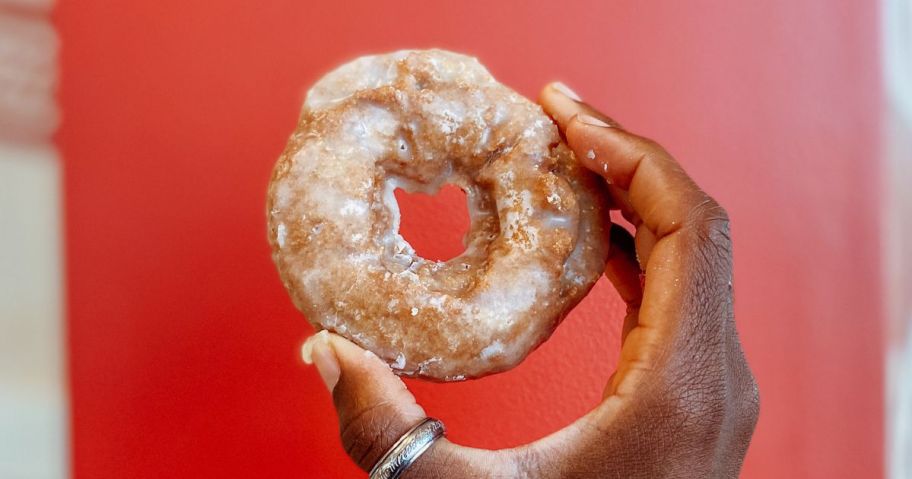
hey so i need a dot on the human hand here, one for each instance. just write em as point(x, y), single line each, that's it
point(682, 403)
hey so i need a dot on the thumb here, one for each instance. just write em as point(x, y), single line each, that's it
point(375, 409)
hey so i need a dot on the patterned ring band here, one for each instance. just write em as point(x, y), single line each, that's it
point(408, 449)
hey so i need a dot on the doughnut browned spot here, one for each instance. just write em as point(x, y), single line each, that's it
point(417, 120)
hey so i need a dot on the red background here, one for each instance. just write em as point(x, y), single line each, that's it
point(183, 346)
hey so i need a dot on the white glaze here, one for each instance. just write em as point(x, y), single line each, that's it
point(416, 120)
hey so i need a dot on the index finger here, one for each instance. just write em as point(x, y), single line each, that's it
point(686, 296)
point(659, 191)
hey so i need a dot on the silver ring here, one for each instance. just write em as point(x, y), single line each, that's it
point(408, 449)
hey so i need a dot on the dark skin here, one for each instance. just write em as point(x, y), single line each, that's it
point(682, 403)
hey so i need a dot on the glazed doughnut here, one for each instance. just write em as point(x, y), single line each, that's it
point(417, 120)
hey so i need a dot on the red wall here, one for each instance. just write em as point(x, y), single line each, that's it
point(183, 346)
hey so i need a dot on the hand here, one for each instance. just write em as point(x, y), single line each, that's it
point(682, 403)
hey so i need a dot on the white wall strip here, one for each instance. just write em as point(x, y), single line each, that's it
point(33, 419)
point(897, 234)
point(33, 405)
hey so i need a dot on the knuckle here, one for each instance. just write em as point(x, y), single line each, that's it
point(709, 227)
point(698, 405)
point(369, 434)
point(704, 408)
point(745, 403)
point(697, 390)
point(711, 222)
point(748, 408)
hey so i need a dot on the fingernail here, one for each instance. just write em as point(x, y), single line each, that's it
point(318, 351)
point(566, 91)
point(307, 347)
point(591, 120)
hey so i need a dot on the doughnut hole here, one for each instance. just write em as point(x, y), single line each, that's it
point(435, 225)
